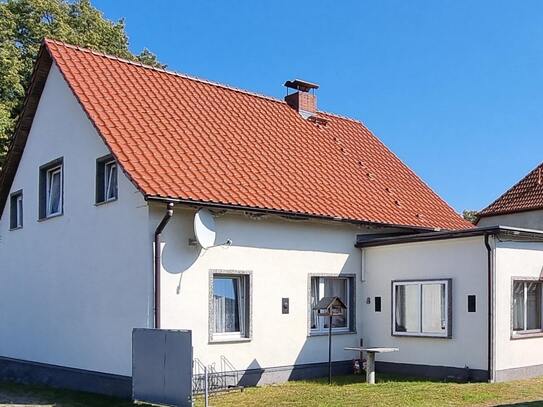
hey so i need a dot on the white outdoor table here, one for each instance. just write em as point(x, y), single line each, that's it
point(370, 362)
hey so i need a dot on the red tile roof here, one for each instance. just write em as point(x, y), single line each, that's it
point(526, 195)
point(180, 137)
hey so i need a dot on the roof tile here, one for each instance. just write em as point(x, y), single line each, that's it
point(525, 195)
point(186, 138)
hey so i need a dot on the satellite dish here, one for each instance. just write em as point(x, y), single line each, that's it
point(204, 228)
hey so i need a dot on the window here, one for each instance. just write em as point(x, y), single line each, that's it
point(230, 305)
point(421, 308)
point(51, 189)
point(106, 179)
point(16, 210)
point(332, 287)
point(526, 306)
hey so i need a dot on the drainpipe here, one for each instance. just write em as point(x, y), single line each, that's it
point(490, 304)
point(157, 264)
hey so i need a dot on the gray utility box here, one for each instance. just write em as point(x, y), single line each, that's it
point(162, 366)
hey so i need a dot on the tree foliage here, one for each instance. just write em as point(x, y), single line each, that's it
point(24, 24)
point(470, 216)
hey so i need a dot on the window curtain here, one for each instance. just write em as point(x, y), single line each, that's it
point(314, 299)
point(518, 306)
point(226, 305)
point(433, 304)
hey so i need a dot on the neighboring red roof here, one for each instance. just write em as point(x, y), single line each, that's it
point(180, 137)
point(526, 195)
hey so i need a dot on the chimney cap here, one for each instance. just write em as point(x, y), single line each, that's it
point(301, 85)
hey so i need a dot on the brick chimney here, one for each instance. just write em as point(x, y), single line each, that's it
point(304, 99)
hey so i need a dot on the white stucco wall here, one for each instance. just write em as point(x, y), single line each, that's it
point(281, 254)
point(73, 287)
point(462, 260)
point(527, 220)
point(515, 259)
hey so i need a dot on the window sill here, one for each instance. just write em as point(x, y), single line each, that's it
point(406, 335)
point(333, 333)
point(526, 335)
point(17, 228)
point(50, 217)
point(229, 340)
point(105, 202)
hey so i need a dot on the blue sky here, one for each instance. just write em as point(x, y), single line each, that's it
point(453, 87)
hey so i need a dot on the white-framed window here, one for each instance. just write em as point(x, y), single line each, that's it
point(110, 181)
point(16, 210)
point(53, 197)
point(421, 308)
point(526, 306)
point(106, 179)
point(323, 286)
point(51, 189)
point(230, 302)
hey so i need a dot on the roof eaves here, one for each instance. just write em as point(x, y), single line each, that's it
point(364, 242)
point(293, 214)
point(24, 124)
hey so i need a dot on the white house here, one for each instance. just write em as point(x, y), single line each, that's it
point(110, 157)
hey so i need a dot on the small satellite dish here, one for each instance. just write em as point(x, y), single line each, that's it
point(204, 228)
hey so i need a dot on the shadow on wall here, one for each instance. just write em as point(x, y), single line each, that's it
point(266, 234)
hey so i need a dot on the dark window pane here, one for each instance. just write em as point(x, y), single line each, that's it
point(533, 305)
point(407, 308)
point(336, 287)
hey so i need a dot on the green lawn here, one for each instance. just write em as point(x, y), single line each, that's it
point(389, 391)
point(346, 391)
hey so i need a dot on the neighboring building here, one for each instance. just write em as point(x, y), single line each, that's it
point(110, 156)
point(520, 206)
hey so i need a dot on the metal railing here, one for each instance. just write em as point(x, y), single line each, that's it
point(207, 379)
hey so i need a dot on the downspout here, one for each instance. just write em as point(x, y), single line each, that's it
point(490, 304)
point(158, 261)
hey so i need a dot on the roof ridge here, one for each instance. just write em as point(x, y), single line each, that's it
point(162, 70)
point(186, 76)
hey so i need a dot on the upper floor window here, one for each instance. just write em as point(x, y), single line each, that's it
point(526, 306)
point(16, 210)
point(51, 189)
point(106, 179)
point(421, 308)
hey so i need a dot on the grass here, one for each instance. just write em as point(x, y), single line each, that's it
point(26, 395)
point(389, 391)
point(345, 391)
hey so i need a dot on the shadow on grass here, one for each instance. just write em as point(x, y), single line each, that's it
point(35, 395)
point(526, 403)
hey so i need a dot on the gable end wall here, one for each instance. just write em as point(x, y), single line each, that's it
point(73, 287)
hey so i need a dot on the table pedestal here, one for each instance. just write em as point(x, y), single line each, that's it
point(370, 368)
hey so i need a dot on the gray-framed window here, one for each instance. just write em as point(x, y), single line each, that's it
point(16, 210)
point(51, 189)
point(332, 286)
point(106, 179)
point(526, 307)
point(422, 308)
point(229, 305)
